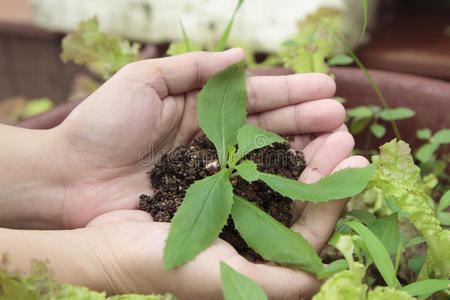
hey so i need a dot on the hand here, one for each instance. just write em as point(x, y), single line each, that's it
point(97, 158)
point(149, 107)
point(156, 99)
point(130, 245)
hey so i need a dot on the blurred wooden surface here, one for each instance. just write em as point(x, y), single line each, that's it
point(415, 41)
point(16, 11)
point(29, 57)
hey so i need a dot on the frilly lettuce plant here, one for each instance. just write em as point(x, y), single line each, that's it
point(398, 177)
point(102, 53)
point(39, 284)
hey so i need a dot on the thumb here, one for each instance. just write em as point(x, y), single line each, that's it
point(181, 73)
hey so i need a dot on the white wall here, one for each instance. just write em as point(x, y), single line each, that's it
point(264, 24)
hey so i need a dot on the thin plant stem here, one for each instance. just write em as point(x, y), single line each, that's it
point(369, 77)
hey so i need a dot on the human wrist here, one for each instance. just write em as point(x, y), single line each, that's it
point(31, 190)
point(70, 254)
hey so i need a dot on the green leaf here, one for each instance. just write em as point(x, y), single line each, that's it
point(340, 99)
point(176, 48)
point(364, 216)
point(441, 137)
point(334, 267)
point(248, 170)
point(398, 177)
point(424, 134)
point(346, 246)
point(185, 37)
point(224, 38)
point(378, 130)
point(271, 239)
point(396, 113)
point(359, 124)
point(103, 54)
point(387, 293)
point(308, 50)
point(387, 231)
point(251, 137)
point(415, 241)
point(360, 112)
point(444, 218)
point(342, 184)
point(222, 108)
point(444, 202)
point(37, 106)
point(340, 60)
point(424, 287)
point(344, 285)
point(377, 253)
point(416, 263)
point(426, 152)
point(40, 284)
point(238, 287)
point(364, 5)
point(362, 115)
point(199, 220)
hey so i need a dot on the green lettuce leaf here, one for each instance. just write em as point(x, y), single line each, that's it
point(102, 53)
point(387, 293)
point(344, 285)
point(39, 284)
point(176, 48)
point(397, 176)
point(308, 50)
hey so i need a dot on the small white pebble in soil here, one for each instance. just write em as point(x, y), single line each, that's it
point(212, 164)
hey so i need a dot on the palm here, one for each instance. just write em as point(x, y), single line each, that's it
point(110, 166)
point(131, 234)
point(115, 136)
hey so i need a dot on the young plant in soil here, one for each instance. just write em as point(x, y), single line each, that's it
point(208, 202)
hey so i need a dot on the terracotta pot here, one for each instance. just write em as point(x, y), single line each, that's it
point(430, 98)
point(51, 118)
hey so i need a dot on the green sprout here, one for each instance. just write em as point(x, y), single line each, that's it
point(208, 202)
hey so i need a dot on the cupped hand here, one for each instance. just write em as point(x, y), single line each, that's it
point(149, 107)
point(109, 142)
point(130, 245)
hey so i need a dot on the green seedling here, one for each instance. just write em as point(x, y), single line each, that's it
point(186, 45)
point(363, 117)
point(427, 151)
point(102, 53)
point(208, 202)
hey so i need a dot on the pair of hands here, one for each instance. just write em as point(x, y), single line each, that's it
point(149, 107)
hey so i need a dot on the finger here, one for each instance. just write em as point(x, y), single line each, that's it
point(322, 160)
point(278, 282)
point(310, 149)
point(343, 127)
point(318, 221)
point(270, 92)
point(181, 73)
point(315, 116)
point(201, 276)
point(300, 141)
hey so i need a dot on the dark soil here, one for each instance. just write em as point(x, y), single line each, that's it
point(177, 170)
